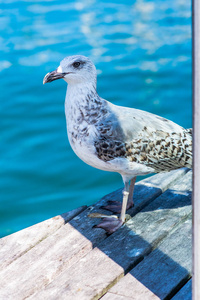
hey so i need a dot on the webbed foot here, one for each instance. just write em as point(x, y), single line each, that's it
point(109, 224)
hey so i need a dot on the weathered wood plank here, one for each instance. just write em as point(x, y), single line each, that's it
point(185, 293)
point(16, 244)
point(88, 279)
point(93, 274)
point(163, 271)
point(41, 264)
point(146, 294)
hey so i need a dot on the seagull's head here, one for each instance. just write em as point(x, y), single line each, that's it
point(74, 69)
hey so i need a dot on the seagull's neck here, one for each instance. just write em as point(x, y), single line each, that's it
point(82, 104)
point(78, 94)
point(81, 98)
point(83, 108)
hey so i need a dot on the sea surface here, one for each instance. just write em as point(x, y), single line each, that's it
point(142, 51)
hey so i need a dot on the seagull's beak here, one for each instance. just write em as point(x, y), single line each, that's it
point(54, 75)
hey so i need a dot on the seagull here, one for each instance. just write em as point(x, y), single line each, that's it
point(114, 138)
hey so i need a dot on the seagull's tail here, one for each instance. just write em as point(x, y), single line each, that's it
point(186, 157)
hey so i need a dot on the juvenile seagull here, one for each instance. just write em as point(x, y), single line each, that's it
point(118, 139)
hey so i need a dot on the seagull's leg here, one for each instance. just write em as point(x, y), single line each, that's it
point(131, 190)
point(111, 223)
point(124, 201)
point(116, 206)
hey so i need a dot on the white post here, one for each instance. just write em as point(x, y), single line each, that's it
point(196, 151)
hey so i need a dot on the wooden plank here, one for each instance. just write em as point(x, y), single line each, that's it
point(146, 294)
point(164, 180)
point(41, 264)
point(185, 293)
point(163, 271)
point(94, 273)
point(16, 244)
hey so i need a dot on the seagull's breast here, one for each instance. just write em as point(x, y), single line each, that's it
point(82, 143)
point(81, 134)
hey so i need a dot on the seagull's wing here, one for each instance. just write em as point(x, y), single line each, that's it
point(143, 137)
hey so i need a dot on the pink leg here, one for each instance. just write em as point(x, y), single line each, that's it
point(116, 206)
point(131, 190)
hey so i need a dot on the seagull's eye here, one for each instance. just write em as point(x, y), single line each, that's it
point(76, 64)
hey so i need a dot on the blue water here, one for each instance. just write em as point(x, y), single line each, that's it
point(142, 50)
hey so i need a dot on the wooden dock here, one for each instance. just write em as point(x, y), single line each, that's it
point(147, 258)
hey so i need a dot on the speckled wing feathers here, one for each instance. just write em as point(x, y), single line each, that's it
point(147, 139)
